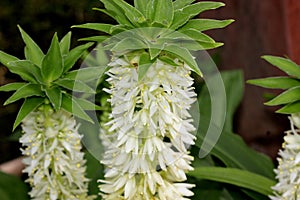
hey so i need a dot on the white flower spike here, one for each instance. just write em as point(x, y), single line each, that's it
point(148, 157)
point(288, 170)
point(54, 163)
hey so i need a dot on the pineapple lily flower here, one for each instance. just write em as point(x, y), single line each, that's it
point(51, 142)
point(151, 91)
point(288, 171)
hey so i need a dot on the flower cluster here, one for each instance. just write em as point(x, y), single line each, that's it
point(152, 130)
point(53, 158)
point(288, 171)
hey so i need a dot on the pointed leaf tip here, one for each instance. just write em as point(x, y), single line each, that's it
point(52, 64)
point(32, 50)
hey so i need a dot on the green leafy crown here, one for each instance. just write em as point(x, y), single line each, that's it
point(162, 27)
point(47, 78)
point(289, 99)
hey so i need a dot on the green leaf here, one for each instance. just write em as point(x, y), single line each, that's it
point(182, 16)
point(13, 188)
point(167, 60)
point(32, 50)
point(29, 105)
point(284, 64)
point(141, 5)
point(86, 74)
point(206, 24)
point(197, 35)
point(289, 96)
point(132, 14)
point(275, 82)
point(94, 172)
point(161, 12)
point(11, 87)
point(109, 13)
point(234, 88)
point(65, 43)
point(52, 64)
point(96, 26)
point(25, 91)
point(26, 70)
point(129, 43)
point(6, 58)
point(73, 56)
point(98, 39)
point(154, 51)
point(290, 108)
point(71, 105)
point(179, 4)
point(144, 64)
point(185, 55)
point(55, 97)
point(74, 85)
point(240, 178)
point(116, 12)
point(87, 105)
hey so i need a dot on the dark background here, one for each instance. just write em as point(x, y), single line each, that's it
point(260, 28)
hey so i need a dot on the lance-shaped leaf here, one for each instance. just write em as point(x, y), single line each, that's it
point(182, 16)
point(179, 4)
point(161, 12)
point(74, 55)
point(11, 87)
point(29, 105)
point(55, 97)
point(197, 36)
point(185, 55)
point(290, 108)
point(52, 64)
point(141, 5)
point(87, 105)
point(284, 64)
point(75, 85)
point(71, 105)
point(132, 14)
point(65, 43)
point(6, 58)
point(289, 96)
point(129, 43)
point(117, 12)
point(241, 178)
point(206, 24)
point(106, 28)
point(25, 91)
point(32, 50)
point(87, 74)
point(143, 66)
point(27, 70)
point(98, 39)
point(279, 82)
point(167, 59)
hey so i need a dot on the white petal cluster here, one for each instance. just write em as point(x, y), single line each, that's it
point(288, 170)
point(149, 132)
point(54, 161)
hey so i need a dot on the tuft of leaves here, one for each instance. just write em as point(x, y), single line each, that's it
point(158, 27)
point(289, 99)
point(48, 77)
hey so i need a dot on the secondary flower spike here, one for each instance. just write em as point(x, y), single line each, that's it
point(151, 91)
point(288, 170)
point(51, 143)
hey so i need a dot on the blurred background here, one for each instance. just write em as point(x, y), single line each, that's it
point(260, 28)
